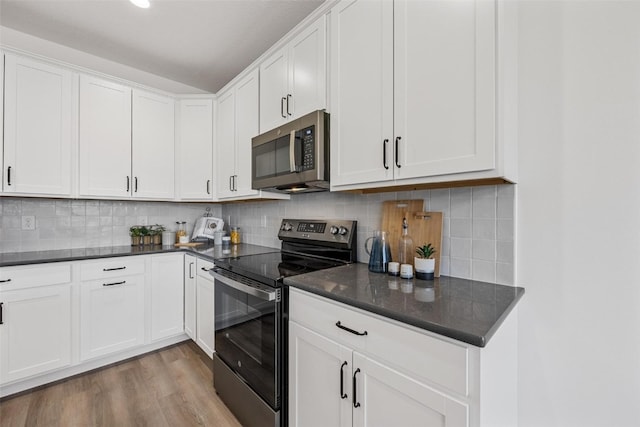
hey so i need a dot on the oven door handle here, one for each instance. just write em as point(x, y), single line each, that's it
point(258, 293)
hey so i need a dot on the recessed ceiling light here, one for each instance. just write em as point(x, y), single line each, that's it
point(141, 3)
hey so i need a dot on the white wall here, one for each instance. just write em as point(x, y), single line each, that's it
point(578, 213)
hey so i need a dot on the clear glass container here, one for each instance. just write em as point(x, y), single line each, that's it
point(405, 245)
point(181, 231)
point(235, 235)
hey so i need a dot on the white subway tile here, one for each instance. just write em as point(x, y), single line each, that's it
point(483, 250)
point(484, 202)
point(461, 203)
point(505, 229)
point(460, 267)
point(460, 248)
point(483, 271)
point(505, 274)
point(484, 229)
point(460, 227)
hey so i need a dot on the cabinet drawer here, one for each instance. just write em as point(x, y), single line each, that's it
point(203, 267)
point(414, 352)
point(111, 267)
point(21, 277)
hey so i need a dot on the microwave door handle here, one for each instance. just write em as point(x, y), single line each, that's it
point(293, 166)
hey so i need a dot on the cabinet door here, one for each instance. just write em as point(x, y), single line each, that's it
point(190, 296)
point(167, 296)
point(38, 127)
point(385, 397)
point(444, 87)
point(205, 315)
point(226, 143)
point(320, 392)
point(247, 112)
point(105, 138)
point(195, 178)
point(35, 334)
point(307, 71)
point(361, 92)
point(111, 315)
point(153, 148)
point(273, 91)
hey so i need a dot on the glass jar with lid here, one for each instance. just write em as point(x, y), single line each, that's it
point(235, 235)
point(181, 231)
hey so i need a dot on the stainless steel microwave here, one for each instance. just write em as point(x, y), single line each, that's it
point(293, 158)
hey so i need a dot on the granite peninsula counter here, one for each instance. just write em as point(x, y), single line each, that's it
point(465, 310)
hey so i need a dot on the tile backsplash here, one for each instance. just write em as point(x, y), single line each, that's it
point(478, 235)
point(65, 224)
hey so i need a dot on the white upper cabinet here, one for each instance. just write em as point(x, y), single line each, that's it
point(195, 149)
point(237, 124)
point(361, 92)
point(126, 143)
point(38, 127)
point(105, 139)
point(413, 93)
point(293, 80)
point(226, 143)
point(444, 81)
point(153, 146)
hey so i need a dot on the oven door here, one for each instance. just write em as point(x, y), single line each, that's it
point(248, 322)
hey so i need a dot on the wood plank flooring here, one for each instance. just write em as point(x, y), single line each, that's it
point(169, 387)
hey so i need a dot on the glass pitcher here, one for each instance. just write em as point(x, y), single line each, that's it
point(380, 252)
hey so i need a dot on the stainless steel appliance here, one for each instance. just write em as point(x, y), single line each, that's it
point(293, 157)
point(249, 362)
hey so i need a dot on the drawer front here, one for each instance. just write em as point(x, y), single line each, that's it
point(21, 277)
point(322, 316)
point(111, 267)
point(203, 267)
point(403, 347)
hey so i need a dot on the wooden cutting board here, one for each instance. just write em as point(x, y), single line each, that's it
point(424, 227)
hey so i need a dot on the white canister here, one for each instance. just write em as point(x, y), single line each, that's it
point(168, 238)
point(217, 237)
point(406, 271)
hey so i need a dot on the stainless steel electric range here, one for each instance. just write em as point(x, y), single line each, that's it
point(251, 305)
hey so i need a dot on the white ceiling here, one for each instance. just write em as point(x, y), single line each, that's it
point(201, 43)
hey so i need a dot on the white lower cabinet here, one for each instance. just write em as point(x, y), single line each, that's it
point(166, 292)
point(190, 296)
point(395, 374)
point(35, 331)
point(111, 310)
point(330, 384)
point(205, 320)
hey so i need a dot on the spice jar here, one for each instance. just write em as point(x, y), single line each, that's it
point(235, 235)
point(181, 232)
point(226, 245)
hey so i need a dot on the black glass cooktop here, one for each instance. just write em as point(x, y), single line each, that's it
point(272, 268)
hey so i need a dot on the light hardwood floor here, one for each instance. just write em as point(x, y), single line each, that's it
point(169, 387)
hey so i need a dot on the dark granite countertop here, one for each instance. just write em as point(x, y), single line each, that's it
point(209, 252)
point(466, 310)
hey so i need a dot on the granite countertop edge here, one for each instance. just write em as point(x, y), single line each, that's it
point(207, 252)
point(478, 340)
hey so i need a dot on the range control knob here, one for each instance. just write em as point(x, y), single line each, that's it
point(286, 226)
point(342, 231)
point(333, 230)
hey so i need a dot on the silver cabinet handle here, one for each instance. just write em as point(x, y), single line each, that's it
point(288, 99)
point(5, 281)
point(208, 186)
point(114, 269)
point(282, 107)
point(191, 270)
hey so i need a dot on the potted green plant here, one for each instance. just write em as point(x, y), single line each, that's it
point(156, 233)
point(424, 262)
point(136, 236)
point(145, 232)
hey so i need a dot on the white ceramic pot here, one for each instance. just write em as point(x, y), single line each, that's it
point(425, 265)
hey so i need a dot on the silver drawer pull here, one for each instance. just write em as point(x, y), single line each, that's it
point(5, 281)
point(114, 283)
point(113, 269)
point(205, 269)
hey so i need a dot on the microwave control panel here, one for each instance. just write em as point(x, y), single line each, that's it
point(307, 137)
